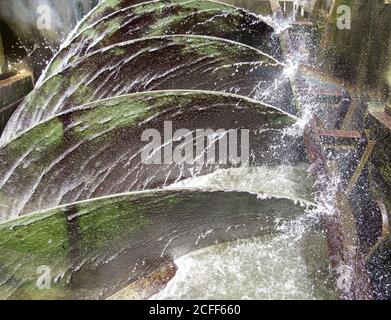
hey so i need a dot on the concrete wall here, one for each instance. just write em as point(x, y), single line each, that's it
point(3, 65)
point(360, 55)
point(24, 16)
point(27, 43)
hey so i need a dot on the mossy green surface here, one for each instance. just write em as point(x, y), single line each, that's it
point(45, 239)
point(49, 135)
point(26, 245)
point(169, 62)
point(337, 3)
point(44, 143)
point(198, 17)
point(359, 56)
point(40, 167)
point(111, 223)
point(108, 7)
point(82, 242)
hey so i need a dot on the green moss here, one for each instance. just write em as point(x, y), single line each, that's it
point(78, 84)
point(175, 22)
point(386, 173)
point(47, 136)
point(109, 226)
point(44, 239)
point(82, 95)
point(54, 65)
point(148, 7)
point(163, 17)
point(211, 48)
point(124, 112)
point(40, 165)
point(198, 5)
point(26, 245)
point(118, 51)
point(104, 7)
point(47, 239)
point(209, 5)
point(115, 114)
point(110, 27)
point(109, 117)
point(83, 242)
point(38, 98)
point(162, 25)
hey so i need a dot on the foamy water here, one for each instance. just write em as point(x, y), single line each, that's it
point(289, 264)
point(284, 180)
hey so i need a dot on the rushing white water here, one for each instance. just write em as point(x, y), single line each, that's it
point(289, 264)
point(279, 181)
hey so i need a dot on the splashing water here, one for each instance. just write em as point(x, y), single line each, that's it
point(279, 25)
point(279, 181)
point(291, 264)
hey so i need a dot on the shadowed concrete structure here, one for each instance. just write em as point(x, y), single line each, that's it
point(3, 63)
point(12, 92)
point(13, 88)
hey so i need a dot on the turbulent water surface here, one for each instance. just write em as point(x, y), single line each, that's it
point(277, 181)
point(289, 264)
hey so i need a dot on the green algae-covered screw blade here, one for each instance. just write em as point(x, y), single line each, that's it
point(92, 249)
point(107, 8)
point(197, 17)
point(158, 63)
point(96, 150)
